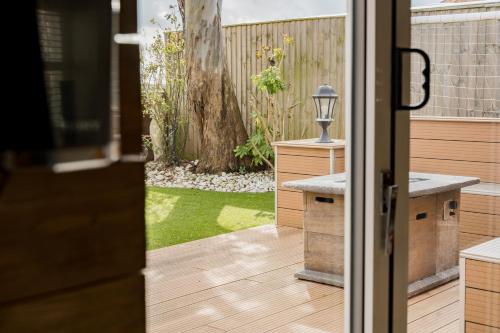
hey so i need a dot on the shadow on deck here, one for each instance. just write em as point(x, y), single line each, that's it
point(243, 282)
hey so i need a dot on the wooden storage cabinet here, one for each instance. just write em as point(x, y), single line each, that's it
point(301, 159)
point(480, 288)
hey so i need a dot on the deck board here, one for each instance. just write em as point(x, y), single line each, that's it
point(243, 282)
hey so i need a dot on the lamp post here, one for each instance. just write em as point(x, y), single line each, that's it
point(324, 101)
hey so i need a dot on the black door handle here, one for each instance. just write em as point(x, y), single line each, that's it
point(399, 73)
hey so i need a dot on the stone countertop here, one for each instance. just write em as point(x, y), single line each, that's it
point(420, 184)
point(488, 251)
point(311, 143)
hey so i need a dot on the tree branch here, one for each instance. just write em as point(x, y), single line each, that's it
point(262, 155)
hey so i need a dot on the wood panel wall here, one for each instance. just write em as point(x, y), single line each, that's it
point(458, 146)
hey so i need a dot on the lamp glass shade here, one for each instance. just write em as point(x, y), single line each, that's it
point(324, 102)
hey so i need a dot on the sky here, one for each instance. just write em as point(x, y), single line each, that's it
point(245, 11)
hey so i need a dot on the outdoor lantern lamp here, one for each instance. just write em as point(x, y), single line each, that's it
point(324, 101)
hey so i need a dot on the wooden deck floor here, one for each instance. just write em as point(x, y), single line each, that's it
point(243, 282)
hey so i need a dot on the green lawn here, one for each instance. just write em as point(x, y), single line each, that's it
point(175, 215)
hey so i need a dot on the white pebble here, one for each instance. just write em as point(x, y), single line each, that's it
point(158, 175)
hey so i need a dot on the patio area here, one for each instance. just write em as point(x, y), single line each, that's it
point(243, 282)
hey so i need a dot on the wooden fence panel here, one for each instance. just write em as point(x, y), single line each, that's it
point(315, 57)
point(465, 70)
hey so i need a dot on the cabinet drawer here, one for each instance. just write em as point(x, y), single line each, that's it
point(290, 217)
point(477, 328)
point(285, 177)
point(291, 200)
point(482, 275)
point(305, 165)
point(482, 307)
point(301, 151)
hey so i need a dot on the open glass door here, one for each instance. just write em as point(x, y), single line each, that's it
point(416, 229)
point(271, 278)
point(377, 141)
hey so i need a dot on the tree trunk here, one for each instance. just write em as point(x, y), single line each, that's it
point(182, 12)
point(210, 93)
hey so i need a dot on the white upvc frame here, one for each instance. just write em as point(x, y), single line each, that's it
point(376, 292)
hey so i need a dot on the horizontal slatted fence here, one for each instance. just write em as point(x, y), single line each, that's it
point(458, 146)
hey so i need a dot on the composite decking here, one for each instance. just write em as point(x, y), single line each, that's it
point(243, 282)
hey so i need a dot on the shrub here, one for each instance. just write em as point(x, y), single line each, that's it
point(163, 86)
point(271, 116)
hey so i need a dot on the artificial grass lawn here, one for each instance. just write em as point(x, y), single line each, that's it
point(177, 215)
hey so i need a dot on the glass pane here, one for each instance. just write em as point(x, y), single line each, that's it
point(453, 271)
point(227, 249)
point(75, 47)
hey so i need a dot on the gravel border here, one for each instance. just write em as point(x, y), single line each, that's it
point(182, 177)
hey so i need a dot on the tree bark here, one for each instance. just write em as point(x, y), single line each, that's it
point(182, 12)
point(210, 93)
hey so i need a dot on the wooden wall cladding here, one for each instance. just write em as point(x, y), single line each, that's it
point(462, 147)
point(486, 204)
point(465, 147)
point(487, 172)
point(466, 240)
point(456, 129)
point(64, 230)
point(115, 306)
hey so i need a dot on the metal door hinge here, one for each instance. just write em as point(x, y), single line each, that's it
point(389, 195)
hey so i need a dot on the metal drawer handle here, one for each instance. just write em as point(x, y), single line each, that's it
point(325, 200)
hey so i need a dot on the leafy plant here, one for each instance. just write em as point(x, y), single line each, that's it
point(269, 80)
point(163, 86)
point(257, 148)
point(242, 170)
point(272, 114)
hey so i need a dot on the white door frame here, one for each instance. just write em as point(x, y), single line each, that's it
point(376, 284)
